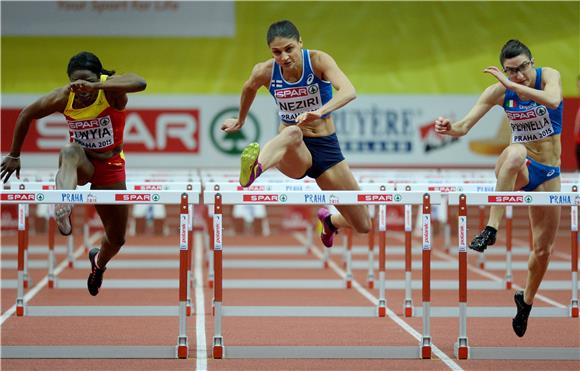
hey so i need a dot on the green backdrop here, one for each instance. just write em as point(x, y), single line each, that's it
point(384, 47)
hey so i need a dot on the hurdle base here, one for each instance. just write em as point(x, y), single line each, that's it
point(461, 352)
point(323, 352)
point(218, 349)
point(426, 352)
point(182, 351)
point(525, 353)
point(86, 352)
point(425, 345)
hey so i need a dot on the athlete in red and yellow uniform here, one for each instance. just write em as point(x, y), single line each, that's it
point(94, 106)
point(99, 128)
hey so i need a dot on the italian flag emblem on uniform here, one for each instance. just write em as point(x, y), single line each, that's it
point(511, 103)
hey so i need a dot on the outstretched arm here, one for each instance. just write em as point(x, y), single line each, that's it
point(490, 97)
point(550, 96)
point(127, 83)
point(325, 67)
point(115, 87)
point(260, 77)
point(44, 106)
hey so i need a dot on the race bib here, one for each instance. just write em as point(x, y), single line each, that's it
point(530, 125)
point(294, 101)
point(92, 134)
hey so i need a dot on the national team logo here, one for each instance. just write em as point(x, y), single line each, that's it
point(541, 111)
point(104, 121)
point(313, 89)
point(310, 79)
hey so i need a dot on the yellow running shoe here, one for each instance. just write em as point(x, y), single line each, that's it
point(250, 168)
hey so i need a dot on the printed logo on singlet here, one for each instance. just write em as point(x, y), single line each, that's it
point(530, 125)
point(277, 83)
point(93, 134)
point(294, 101)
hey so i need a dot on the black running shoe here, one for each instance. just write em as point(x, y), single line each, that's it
point(96, 277)
point(520, 321)
point(484, 239)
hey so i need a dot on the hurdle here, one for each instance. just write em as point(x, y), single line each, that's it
point(318, 284)
point(219, 350)
point(180, 350)
point(144, 185)
point(462, 350)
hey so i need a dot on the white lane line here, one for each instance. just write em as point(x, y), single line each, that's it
point(392, 315)
point(201, 355)
point(43, 282)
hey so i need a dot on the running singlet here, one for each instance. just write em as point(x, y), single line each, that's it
point(98, 127)
point(307, 94)
point(531, 121)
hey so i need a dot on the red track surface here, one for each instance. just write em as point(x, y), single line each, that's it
point(542, 332)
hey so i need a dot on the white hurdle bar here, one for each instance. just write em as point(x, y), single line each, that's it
point(318, 198)
point(106, 197)
point(462, 350)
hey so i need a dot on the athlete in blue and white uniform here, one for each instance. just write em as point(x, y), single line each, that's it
point(301, 83)
point(532, 100)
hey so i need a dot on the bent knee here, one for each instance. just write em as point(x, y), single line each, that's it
point(116, 241)
point(363, 225)
point(71, 151)
point(542, 253)
point(514, 158)
point(294, 134)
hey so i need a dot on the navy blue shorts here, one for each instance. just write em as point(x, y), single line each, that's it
point(325, 153)
point(539, 174)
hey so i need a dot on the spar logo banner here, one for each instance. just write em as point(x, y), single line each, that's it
point(146, 130)
point(184, 132)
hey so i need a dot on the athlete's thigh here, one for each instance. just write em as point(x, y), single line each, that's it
point(340, 178)
point(114, 217)
point(296, 161)
point(85, 168)
point(522, 177)
point(545, 220)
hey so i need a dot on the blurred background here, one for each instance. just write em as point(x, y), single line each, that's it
point(410, 62)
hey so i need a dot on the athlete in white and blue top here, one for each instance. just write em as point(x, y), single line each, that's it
point(532, 100)
point(301, 82)
point(309, 93)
